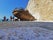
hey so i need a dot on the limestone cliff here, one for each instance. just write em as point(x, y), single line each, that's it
point(41, 9)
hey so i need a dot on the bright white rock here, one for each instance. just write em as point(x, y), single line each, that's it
point(42, 10)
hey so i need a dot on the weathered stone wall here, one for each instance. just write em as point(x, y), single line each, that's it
point(41, 9)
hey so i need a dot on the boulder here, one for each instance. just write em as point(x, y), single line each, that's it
point(23, 15)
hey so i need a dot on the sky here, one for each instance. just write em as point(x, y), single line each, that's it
point(7, 6)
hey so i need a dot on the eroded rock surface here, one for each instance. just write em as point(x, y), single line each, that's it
point(41, 9)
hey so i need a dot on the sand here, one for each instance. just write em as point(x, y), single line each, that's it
point(26, 30)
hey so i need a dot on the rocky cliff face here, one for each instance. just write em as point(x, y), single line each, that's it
point(42, 10)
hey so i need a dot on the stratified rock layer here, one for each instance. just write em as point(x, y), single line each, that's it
point(41, 9)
